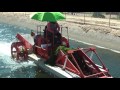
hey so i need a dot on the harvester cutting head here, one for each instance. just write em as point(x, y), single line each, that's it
point(79, 62)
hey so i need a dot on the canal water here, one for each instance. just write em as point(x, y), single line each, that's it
point(12, 69)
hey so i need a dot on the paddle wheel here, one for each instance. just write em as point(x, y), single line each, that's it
point(18, 51)
point(21, 48)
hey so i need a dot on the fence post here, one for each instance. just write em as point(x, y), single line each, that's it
point(109, 19)
point(13, 13)
point(65, 15)
point(84, 17)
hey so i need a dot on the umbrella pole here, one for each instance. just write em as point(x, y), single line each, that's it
point(40, 30)
point(67, 34)
point(53, 40)
point(61, 30)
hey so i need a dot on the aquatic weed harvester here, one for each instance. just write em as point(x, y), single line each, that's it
point(58, 59)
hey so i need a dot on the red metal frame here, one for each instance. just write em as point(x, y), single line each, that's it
point(76, 69)
point(25, 42)
point(42, 52)
point(69, 66)
point(94, 50)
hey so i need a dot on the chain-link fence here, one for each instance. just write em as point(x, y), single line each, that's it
point(16, 13)
point(111, 19)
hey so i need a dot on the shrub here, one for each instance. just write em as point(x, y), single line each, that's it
point(98, 15)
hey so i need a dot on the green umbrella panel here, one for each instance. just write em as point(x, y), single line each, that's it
point(48, 16)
